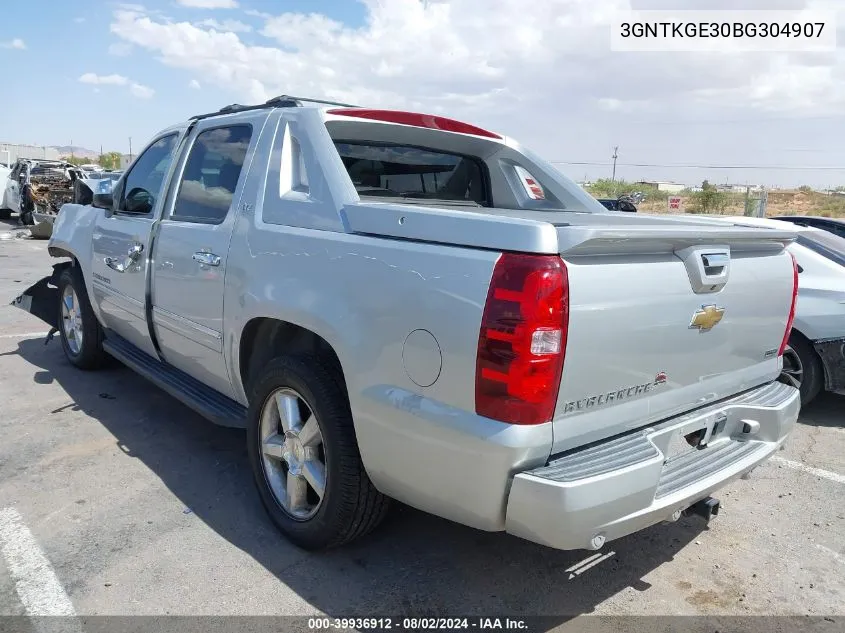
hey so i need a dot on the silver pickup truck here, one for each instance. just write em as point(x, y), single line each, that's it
point(397, 305)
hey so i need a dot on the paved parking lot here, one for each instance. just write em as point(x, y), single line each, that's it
point(136, 505)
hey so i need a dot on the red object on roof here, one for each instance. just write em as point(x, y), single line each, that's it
point(415, 119)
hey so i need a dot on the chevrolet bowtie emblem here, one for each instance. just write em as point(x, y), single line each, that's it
point(706, 318)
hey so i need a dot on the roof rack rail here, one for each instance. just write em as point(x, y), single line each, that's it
point(282, 101)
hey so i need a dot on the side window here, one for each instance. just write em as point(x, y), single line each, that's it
point(211, 174)
point(145, 180)
point(532, 187)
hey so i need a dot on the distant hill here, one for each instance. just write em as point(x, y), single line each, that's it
point(81, 152)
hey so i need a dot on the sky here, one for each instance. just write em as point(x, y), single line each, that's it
point(96, 73)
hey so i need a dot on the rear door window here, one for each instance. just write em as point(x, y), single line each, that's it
point(401, 171)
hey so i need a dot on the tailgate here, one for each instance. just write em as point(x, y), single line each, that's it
point(657, 331)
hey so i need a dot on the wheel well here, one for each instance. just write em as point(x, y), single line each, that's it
point(800, 335)
point(55, 251)
point(264, 339)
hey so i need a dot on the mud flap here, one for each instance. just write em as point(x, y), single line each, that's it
point(42, 299)
point(832, 353)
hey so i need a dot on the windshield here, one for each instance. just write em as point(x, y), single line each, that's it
point(826, 244)
point(391, 170)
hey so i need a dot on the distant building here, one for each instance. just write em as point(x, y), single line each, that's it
point(737, 188)
point(125, 161)
point(661, 185)
point(10, 152)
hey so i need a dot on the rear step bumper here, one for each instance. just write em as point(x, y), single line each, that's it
point(592, 495)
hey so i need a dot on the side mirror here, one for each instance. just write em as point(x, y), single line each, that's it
point(103, 201)
point(139, 200)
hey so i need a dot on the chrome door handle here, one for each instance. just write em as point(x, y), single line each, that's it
point(132, 256)
point(208, 259)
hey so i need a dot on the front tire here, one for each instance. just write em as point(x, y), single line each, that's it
point(304, 455)
point(802, 368)
point(79, 330)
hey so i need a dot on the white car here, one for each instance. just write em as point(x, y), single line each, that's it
point(815, 358)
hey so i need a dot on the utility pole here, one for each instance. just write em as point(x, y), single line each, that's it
point(130, 149)
point(615, 156)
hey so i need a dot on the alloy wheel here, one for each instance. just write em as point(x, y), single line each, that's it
point(293, 456)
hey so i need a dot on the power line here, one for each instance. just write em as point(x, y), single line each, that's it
point(683, 166)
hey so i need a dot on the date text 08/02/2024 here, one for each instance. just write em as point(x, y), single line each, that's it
point(415, 624)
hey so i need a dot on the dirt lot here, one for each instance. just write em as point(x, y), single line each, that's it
point(136, 505)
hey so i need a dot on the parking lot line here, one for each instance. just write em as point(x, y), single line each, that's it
point(23, 335)
point(818, 472)
point(38, 588)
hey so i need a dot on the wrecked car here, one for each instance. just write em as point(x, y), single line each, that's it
point(39, 186)
point(84, 189)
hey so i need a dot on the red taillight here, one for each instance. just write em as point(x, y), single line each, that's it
point(430, 121)
point(522, 341)
point(791, 318)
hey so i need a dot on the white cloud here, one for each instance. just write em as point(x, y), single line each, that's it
point(235, 26)
point(194, 84)
point(141, 91)
point(135, 89)
point(120, 49)
point(209, 4)
point(106, 80)
point(15, 43)
point(498, 65)
point(257, 14)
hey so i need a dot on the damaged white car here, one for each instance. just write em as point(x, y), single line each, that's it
point(814, 359)
point(38, 186)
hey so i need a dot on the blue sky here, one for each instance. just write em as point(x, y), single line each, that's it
point(66, 40)
point(98, 72)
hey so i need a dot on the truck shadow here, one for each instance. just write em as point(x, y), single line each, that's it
point(414, 564)
point(826, 410)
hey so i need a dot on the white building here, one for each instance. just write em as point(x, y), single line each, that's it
point(661, 185)
point(125, 161)
point(10, 152)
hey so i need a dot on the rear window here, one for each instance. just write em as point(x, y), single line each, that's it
point(390, 170)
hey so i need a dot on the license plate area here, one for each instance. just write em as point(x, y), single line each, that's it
point(684, 442)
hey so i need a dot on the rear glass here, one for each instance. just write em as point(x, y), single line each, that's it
point(388, 170)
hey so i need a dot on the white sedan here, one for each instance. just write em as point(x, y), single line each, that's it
point(815, 357)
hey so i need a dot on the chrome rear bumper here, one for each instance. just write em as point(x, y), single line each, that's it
point(591, 495)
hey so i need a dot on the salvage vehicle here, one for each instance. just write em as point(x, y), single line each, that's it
point(832, 225)
point(38, 186)
point(622, 203)
point(84, 188)
point(402, 305)
point(814, 358)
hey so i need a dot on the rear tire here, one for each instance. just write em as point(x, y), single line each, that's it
point(5, 214)
point(79, 330)
point(802, 368)
point(284, 456)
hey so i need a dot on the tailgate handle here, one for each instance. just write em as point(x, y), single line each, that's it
point(714, 263)
point(708, 267)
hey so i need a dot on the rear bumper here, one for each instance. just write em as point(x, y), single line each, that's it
point(613, 488)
